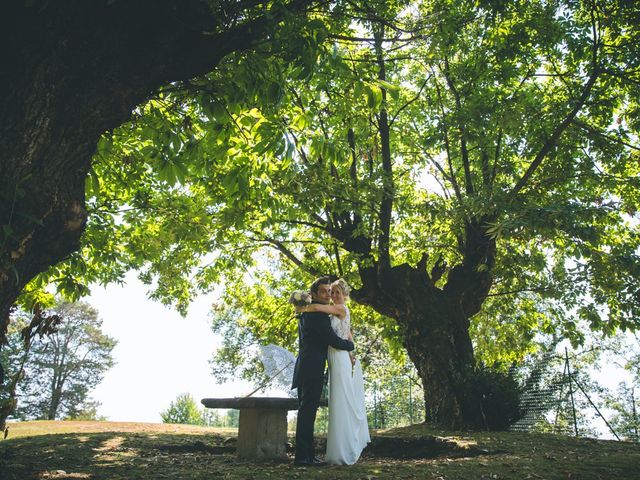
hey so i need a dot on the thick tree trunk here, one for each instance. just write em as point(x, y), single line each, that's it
point(440, 348)
point(70, 72)
point(435, 325)
point(436, 335)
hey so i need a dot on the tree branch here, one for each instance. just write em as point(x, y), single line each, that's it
point(417, 96)
point(463, 140)
point(386, 204)
point(585, 126)
point(562, 126)
point(289, 254)
point(445, 133)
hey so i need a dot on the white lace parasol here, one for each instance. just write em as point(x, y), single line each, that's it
point(278, 364)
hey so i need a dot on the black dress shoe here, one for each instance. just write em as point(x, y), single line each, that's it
point(308, 462)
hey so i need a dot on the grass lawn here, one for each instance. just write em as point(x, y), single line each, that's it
point(116, 450)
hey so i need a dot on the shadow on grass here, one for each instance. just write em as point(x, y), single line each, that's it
point(128, 455)
point(410, 453)
point(110, 455)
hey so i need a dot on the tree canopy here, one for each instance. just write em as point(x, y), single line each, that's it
point(473, 123)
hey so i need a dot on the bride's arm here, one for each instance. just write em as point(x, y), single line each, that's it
point(337, 310)
point(352, 357)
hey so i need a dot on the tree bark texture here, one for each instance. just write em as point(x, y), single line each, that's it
point(72, 70)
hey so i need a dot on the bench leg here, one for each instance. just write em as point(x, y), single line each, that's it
point(262, 433)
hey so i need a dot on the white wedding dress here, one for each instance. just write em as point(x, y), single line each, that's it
point(348, 432)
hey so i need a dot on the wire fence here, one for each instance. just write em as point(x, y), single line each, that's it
point(556, 397)
point(562, 402)
point(396, 403)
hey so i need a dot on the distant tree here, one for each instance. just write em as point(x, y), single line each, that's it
point(88, 412)
point(233, 418)
point(624, 402)
point(183, 409)
point(625, 405)
point(212, 418)
point(15, 355)
point(65, 365)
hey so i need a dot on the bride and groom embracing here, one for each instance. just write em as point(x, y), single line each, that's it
point(324, 331)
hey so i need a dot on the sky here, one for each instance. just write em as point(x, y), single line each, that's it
point(159, 353)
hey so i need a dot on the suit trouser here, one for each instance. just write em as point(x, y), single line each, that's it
point(308, 403)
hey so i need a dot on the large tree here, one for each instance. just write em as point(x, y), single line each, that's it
point(458, 162)
point(73, 70)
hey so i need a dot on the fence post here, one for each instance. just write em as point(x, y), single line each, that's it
point(555, 423)
point(573, 405)
point(635, 414)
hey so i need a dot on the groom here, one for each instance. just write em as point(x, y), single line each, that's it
point(314, 336)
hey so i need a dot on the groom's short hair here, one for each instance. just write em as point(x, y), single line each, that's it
point(320, 281)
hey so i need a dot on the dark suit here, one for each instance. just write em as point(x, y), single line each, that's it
point(314, 336)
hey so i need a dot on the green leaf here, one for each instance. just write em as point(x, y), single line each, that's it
point(374, 96)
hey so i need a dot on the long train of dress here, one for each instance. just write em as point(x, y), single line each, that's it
point(348, 432)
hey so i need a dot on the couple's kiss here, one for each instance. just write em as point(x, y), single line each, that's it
point(324, 331)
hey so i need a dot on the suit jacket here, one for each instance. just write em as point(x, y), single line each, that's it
point(314, 336)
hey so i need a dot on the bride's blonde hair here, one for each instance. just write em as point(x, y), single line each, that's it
point(342, 285)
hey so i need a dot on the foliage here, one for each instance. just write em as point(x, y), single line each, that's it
point(42, 214)
point(231, 419)
point(625, 404)
point(183, 409)
point(15, 354)
point(500, 394)
point(564, 392)
point(394, 394)
point(65, 365)
point(147, 202)
point(13, 357)
point(163, 200)
point(88, 412)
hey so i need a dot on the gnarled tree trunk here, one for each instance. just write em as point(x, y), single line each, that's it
point(435, 325)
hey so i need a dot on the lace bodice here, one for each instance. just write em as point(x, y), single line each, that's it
point(342, 327)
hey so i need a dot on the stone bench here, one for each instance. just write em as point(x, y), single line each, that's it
point(262, 431)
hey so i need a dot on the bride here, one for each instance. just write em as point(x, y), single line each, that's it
point(348, 432)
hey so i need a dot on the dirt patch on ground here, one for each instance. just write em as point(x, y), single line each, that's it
point(423, 447)
point(416, 448)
